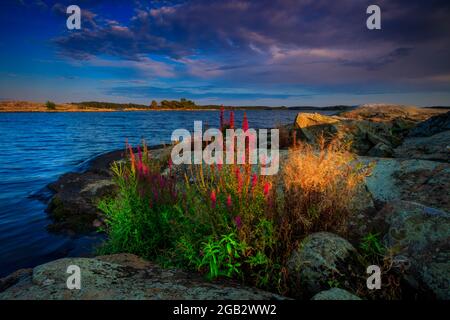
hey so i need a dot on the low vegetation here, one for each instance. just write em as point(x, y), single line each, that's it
point(229, 221)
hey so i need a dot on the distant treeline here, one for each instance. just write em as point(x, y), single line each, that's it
point(189, 105)
point(109, 105)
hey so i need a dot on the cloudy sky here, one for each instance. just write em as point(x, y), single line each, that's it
point(237, 52)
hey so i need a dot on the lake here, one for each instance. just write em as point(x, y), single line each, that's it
point(36, 148)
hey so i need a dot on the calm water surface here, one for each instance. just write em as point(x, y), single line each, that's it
point(36, 148)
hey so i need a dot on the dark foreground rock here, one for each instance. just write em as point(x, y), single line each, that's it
point(429, 140)
point(120, 277)
point(73, 207)
point(322, 260)
point(419, 237)
point(335, 294)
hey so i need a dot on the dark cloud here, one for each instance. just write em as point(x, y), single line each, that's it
point(193, 93)
point(379, 62)
point(304, 43)
point(210, 25)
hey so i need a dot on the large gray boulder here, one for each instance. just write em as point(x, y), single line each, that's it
point(432, 126)
point(419, 236)
point(120, 277)
point(422, 181)
point(322, 259)
point(435, 147)
point(429, 140)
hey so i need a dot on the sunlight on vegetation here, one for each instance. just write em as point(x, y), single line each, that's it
point(227, 220)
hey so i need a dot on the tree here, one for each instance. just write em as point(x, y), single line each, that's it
point(154, 104)
point(50, 105)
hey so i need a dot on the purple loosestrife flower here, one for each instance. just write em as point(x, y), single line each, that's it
point(213, 199)
point(231, 120)
point(254, 180)
point(238, 222)
point(245, 123)
point(266, 189)
point(229, 203)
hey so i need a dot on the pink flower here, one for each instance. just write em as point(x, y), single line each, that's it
point(231, 120)
point(139, 153)
point(238, 222)
point(170, 163)
point(219, 166)
point(245, 123)
point(239, 179)
point(213, 199)
point(229, 204)
point(237, 172)
point(254, 180)
point(266, 189)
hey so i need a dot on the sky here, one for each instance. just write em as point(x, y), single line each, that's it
point(236, 52)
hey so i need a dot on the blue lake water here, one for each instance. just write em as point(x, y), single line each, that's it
point(36, 148)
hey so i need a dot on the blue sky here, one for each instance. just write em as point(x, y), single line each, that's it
point(261, 52)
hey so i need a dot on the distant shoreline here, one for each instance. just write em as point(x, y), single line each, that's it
point(27, 106)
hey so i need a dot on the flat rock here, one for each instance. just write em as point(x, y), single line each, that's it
point(422, 181)
point(124, 276)
point(409, 115)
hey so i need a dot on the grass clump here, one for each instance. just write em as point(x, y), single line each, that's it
point(320, 187)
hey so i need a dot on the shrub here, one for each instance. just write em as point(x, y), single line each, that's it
point(320, 186)
point(232, 214)
point(50, 105)
point(142, 218)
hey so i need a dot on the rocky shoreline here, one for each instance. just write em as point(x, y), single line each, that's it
point(405, 200)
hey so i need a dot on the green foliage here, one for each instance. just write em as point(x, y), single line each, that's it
point(372, 247)
point(224, 221)
point(50, 105)
point(134, 223)
point(154, 104)
point(182, 104)
point(221, 257)
point(109, 105)
point(220, 224)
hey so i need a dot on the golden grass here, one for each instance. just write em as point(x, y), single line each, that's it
point(320, 185)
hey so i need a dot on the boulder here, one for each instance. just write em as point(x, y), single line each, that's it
point(432, 126)
point(313, 124)
point(73, 207)
point(362, 135)
point(419, 236)
point(422, 181)
point(435, 147)
point(335, 294)
point(123, 277)
point(403, 116)
point(322, 259)
point(381, 150)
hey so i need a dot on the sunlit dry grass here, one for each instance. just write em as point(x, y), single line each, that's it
point(320, 185)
